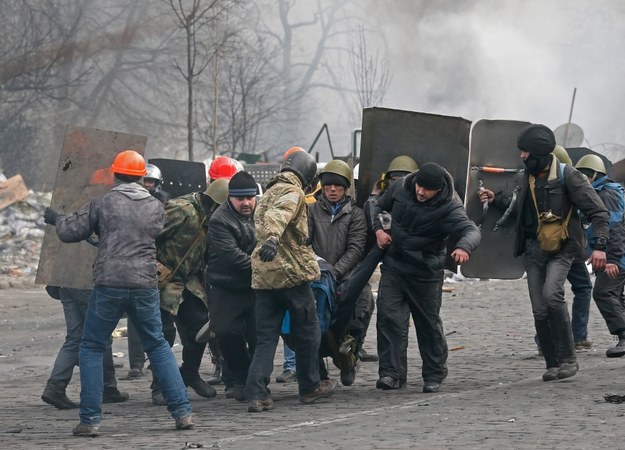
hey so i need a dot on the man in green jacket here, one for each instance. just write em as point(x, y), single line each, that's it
point(283, 266)
point(181, 247)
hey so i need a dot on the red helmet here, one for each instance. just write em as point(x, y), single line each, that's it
point(129, 162)
point(222, 167)
point(290, 151)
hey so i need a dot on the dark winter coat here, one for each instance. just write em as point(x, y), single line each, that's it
point(419, 229)
point(231, 240)
point(558, 196)
point(127, 220)
point(338, 235)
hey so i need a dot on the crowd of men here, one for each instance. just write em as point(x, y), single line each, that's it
point(238, 271)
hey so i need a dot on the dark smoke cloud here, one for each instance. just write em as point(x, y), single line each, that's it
point(509, 60)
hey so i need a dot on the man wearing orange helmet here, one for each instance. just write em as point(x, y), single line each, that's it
point(127, 220)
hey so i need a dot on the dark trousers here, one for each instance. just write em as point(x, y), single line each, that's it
point(192, 315)
point(234, 323)
point(607, 294)
point(546, 275)
point(271, 304)
point(398, 298)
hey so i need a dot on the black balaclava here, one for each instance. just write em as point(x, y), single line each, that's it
point(536, 163)
point(539, 141)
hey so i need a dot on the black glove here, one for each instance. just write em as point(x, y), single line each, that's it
point(50, 215)
point(268, 250)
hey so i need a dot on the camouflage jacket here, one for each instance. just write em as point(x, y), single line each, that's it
point(186, 222)
point(281, 213)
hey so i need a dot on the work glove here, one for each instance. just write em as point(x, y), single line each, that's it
point(50, 215)
point(268, 250)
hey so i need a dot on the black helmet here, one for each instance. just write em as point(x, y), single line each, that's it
point(302, 164)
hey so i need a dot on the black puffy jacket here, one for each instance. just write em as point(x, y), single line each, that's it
point(419, 229)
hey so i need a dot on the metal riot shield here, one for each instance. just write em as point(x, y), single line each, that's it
point(181, 177)
point(263, 172)
point(387, 133)
point(82, 174)
point(495, 164)
point(618, 171)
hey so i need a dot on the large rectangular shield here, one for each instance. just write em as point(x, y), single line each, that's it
point(82, 174)
point(387, 133)
point(181, 177)
point(494, 164)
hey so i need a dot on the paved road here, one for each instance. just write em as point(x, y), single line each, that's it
point(493, 398)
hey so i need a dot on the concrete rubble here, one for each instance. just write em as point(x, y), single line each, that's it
point(21, 236)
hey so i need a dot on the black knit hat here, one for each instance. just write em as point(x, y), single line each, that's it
point(537, 139)
point(333, 178)
point(430, 176)
point(242, 184)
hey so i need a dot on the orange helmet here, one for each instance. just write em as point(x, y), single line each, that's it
point(290, 151)
point(129, 162)
point(222, 167)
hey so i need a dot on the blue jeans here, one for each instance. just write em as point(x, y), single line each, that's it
point(582, 291)
point(289, 359)
point(106, 307)
point(75, 303)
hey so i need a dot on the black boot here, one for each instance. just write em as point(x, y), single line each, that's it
point(560, 323)
point(54, 395)
point(619, 349)
point(543, 332)
point(195, 382)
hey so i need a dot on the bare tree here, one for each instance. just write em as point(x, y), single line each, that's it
point(303, 63)
point(38, 35)
point(249, 96)
point(370, 71)
point(200, 20)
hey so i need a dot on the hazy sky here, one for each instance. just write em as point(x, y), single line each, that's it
point(516, 59)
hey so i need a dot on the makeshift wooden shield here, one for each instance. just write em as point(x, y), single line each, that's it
point(494, 164)
point(82, 174)
point(181, 177)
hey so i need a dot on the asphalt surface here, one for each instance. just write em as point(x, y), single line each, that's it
point(494, 396)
